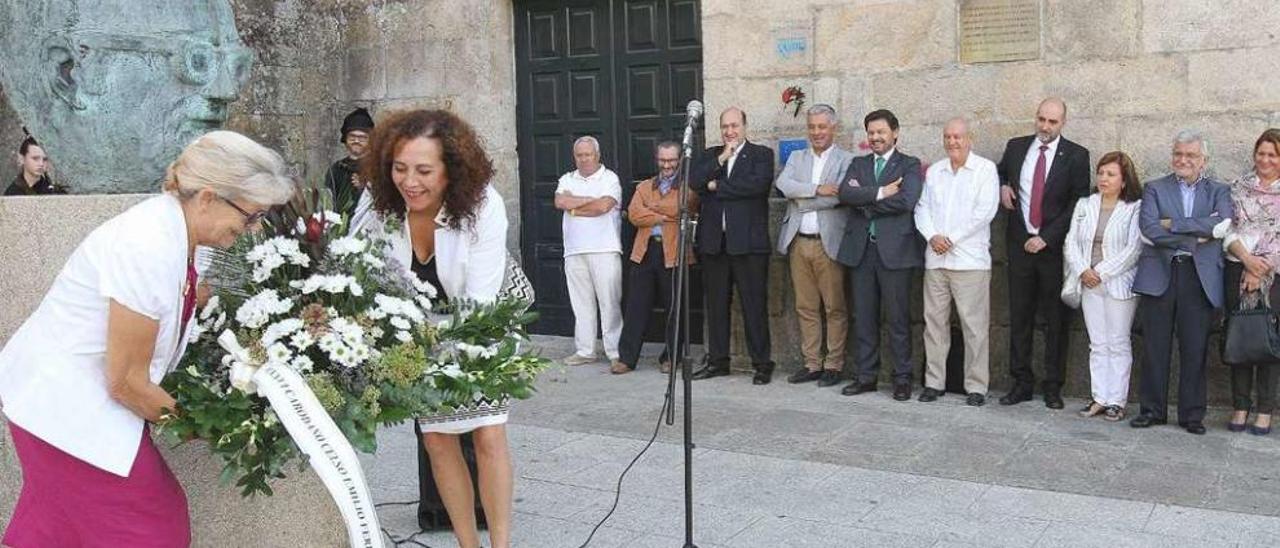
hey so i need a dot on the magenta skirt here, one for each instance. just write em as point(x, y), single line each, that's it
point(66, 502)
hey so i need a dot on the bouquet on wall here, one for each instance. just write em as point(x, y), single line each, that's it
point(374, 344)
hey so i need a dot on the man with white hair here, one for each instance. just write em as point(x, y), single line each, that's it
point(589, 197)
point(960, 198)
point(1180, 280)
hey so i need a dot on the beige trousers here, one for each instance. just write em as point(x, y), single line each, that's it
point(971, 292)
point(818, 281)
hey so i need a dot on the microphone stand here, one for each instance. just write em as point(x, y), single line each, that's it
point(678, 317)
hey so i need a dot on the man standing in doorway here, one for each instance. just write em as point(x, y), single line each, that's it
point(589, 197)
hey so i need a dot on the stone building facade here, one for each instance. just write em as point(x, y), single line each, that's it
point(1131, 71)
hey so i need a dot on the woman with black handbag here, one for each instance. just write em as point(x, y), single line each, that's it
point(1254, 251)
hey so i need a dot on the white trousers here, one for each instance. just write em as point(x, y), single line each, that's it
point(595, 283)
point(1110, 353)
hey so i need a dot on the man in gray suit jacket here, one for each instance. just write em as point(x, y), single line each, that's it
point(883, 249)
point(1180, 280)
point(811, 234)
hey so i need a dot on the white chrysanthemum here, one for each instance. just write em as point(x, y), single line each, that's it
point(424, 288)
point(400, 323)
point(280, 330)
point(257, 311)
point(347, 245)
point(279, 354)
point(373, 262)
point(403, 336)
point(302, 340)
point(302, 364)
point(472, 351)
point(452, 370)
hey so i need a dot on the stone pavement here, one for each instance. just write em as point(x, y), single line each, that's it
point(791, 466)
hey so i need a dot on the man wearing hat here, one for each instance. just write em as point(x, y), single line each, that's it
point(343, 179)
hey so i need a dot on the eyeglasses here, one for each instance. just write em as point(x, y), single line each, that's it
point(358, 138)
point(250, 219)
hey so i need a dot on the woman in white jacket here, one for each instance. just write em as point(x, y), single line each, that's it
point(1100, 258)
point(429, 176)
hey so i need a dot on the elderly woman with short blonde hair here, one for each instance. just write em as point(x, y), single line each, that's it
point(80, 380)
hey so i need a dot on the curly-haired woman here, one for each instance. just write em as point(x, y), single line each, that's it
point(428, 169)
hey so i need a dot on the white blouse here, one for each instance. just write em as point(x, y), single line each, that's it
point(470, 260)
point(53, 380)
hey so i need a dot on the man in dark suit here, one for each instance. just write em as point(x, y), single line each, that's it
point(733, 181)
point(883, 249)
point(1180, 280)
point(1041, 177)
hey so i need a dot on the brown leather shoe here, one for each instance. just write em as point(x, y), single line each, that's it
point(619, 368)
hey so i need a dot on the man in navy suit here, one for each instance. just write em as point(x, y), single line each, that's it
point(1040, 185)
point(1180, 280)
point(733, 182)
point(883, 249)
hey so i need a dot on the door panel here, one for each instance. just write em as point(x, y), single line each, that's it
point(620, 70)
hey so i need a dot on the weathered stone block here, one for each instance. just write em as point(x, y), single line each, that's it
point(1234, 79)
point(1087, 29)
point(1186, 26)
point(1149, 141)
point(365, 74)
point(885, 37)
point(914, 95)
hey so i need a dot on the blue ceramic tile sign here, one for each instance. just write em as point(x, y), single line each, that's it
point(787, 146)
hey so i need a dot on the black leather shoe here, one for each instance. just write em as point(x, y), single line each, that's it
point(902, 391)
point(975, 400)
point(764, 373)
point(804, 375)
point(1144, 420)
point(1053, 400)
point(1018, 395)
point(854, 388)
point(710, 371)
point(829, 378)
point(929, 395)
point(1196, 428)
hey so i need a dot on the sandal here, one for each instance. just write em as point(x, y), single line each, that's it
point(1092, 409)
point(1113, 413)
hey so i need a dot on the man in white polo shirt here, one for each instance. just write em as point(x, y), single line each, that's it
point(961, 195)
point(589, 197)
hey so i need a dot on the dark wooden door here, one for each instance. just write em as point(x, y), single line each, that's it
point(619, 70)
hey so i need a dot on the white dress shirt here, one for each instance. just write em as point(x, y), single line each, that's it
point(809, 220)
point(959, 205)
point(1026, 179)
point(53, 371)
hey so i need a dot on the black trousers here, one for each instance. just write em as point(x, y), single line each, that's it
point(1243, 377)
point(1185, 310)
point(871, 284)
point(1035, 285)
point(649, 283)
point(750, 273)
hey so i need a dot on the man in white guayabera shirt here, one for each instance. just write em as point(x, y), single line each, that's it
point(589, 197)
point(960, 198)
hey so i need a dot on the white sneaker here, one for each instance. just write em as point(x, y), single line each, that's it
point(578, 359)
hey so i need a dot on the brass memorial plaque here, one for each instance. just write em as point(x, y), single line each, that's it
point(999, 30)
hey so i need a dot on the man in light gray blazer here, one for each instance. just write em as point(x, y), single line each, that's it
point(1180, 280)
point(811, 234)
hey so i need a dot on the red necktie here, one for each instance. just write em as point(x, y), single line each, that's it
point(1037, 190)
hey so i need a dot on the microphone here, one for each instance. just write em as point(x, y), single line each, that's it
point(693, 112)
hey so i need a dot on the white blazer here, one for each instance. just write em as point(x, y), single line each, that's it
point(470, 260)
point(53, 371)
point(1121, 245)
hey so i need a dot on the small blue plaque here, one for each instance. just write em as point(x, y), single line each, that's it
point(787, 146)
